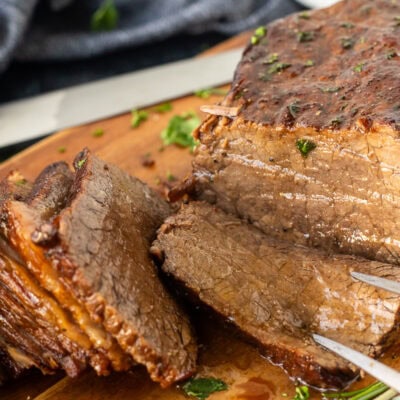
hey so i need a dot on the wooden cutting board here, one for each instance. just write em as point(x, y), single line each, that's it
point(223, 354)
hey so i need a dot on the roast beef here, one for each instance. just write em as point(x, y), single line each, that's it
point(102, 257)
point(310, 149)
point(79, 278)
point(278, 293)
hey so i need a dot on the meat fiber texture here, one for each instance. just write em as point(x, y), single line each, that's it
point(331, 77)
point(78, 287)
point(278, 294)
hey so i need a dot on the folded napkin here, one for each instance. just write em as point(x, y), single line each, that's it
point(60, 29)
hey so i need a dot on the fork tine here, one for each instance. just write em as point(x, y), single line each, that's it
point(382, 283)
point(380, 371)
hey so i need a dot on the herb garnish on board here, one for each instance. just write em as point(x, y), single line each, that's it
point(179, 130)
point(138, 116)
point(201, 388)
point(368, 393)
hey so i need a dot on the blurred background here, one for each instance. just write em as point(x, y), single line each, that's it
point(47, 45)
point(52, 44)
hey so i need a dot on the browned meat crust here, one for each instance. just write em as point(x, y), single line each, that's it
point(278, 293)
point(336, 69)
point(341, 92)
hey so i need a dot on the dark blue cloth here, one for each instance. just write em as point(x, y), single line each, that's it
point(60, 29)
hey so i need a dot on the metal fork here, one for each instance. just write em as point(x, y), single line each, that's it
point(380, 371)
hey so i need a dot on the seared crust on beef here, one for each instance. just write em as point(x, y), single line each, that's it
point(354, 79)
point(342, 195)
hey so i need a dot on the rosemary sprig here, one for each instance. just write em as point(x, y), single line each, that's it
point(376, 391)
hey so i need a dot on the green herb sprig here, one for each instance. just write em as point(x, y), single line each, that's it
point(347, 43)
point(206, 93)
point(368, 393)
point(305, 146)
point(330, 89)
point(278, 67)
point(81, 163)
point(99, 132)
point(163, 108)
point(304, 15)
point(272, 58)
point(179, 130)
point(359, 67)
point(258, 34)
point(305, 36)
point(138, 116)
point(302, 393)
point(105, 18)
point(201, 388)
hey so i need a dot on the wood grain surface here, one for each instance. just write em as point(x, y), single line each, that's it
point(223, 354)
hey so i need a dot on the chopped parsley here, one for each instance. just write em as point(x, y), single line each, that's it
point(304, 15)
point(302, 393)
point(305, 146)
point(21, 182)
point(80, 163)
point(347, 25)
point(303, 36)
point(273, 58)
point(98, 132)
point(278, 67)
point(62, 149)
point(201, 388)
point(332, 89)
point(258, 34)
point(359, 67)
point(309, 63)
point(164, 107)
point(179, 130)
point(337, 121)
point(105, 18)
point(347, 43)
point(206, 93)
point(170, 177)
point(138, 116)
point(293, 109)
point(391, 54)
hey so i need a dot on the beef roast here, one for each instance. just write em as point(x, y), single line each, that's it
point(102, 257)
point(48, 196)
point(77, 275)
point(309, 152)
point(278, 293)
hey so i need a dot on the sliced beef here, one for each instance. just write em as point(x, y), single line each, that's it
point(77, 274)
point(279, 294)
point(27, 273)
point(102, 258)
point(331, 78)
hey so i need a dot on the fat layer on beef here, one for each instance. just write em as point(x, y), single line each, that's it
point(78, 244)
point(278, 293)
point(333, 79)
